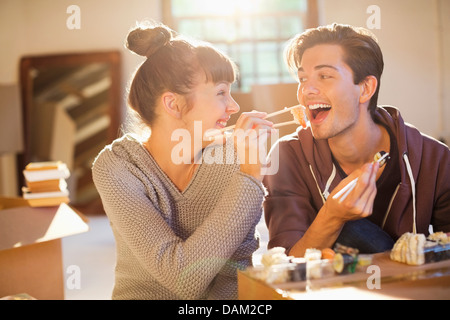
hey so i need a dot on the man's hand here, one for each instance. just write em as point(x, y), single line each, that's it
point(359, 202)
point(330, 219)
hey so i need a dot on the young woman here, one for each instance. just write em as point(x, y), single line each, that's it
point(183, 225)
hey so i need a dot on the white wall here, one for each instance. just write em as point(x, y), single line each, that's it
point(31, 27)
point(444, 14)
point(415, 38)
point(417, 55)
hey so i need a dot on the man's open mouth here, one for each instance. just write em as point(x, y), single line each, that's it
point(319, 111)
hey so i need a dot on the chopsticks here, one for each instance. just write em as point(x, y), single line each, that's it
point(273, 114)
point(345, 191)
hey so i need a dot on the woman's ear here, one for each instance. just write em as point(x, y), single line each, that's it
point(172, 104)
point(367, 88)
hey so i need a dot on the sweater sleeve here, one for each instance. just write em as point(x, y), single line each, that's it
point(185, 267)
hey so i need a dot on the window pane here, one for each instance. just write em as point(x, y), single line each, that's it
point(195, 8)
point(268, 79)
point(186, 8)
point(288, 78)
point(245, 28)
point(267, 58)
point(290, 26)
point(224, 48)
point(192, 28)
point(245, 55)
point(266, 28)
point(253, 33)
point(220, 30)
point(290, 5)
point(246, 83)
point(271, 6)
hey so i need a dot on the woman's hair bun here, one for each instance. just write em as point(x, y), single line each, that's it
point(146, 40)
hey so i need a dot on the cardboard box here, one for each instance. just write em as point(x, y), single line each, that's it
point(30, 247)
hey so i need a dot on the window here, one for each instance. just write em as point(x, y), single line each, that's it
point(252, 32)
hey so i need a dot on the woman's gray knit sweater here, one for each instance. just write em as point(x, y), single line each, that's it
point(172, 244)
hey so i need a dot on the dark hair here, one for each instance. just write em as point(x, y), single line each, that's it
point(361, 52)
point(173, 64)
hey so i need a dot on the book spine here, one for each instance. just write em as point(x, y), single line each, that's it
point(39, 195)
point(40, 175)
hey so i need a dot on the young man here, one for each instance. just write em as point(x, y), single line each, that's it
point(339, 69)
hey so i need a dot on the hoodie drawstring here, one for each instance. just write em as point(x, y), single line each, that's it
point(326, 193)
point(317, 184)
point(413, 190)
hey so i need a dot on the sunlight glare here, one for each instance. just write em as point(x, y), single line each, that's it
point(248, 7)
point(231, 7)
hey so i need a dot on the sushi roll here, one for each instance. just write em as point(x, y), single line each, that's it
point(300, 116)
point(344, 263)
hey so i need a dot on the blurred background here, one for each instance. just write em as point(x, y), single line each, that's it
point(64, 69)
point(413, 34)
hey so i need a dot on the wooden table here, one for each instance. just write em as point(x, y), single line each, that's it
point(397, 281)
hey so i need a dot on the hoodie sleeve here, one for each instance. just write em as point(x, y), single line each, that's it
point(441, 211)
point(288, 207)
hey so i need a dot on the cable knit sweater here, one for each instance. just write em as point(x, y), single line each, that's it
point(172, 244)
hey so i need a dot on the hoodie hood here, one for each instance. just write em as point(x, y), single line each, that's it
point(297, 192)
point(320, 159)
point(390, 117)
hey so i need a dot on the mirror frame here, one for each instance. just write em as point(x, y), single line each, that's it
point(27, 63)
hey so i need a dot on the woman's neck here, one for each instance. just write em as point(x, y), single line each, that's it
point(176, 159)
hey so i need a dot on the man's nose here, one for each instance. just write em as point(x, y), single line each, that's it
point(309, 87)
point(305, 90)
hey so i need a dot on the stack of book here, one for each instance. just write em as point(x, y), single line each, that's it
point(46, 183)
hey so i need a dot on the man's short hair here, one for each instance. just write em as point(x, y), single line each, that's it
point(361, 51)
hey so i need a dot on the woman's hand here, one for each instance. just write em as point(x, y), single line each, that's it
point(250, 140)
point(359, 202)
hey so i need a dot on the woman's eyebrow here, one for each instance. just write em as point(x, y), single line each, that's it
point(222, 82)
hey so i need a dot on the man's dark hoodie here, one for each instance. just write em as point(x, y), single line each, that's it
point(307, 174)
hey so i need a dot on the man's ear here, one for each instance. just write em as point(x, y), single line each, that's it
point(172, 104)
point(367, 87)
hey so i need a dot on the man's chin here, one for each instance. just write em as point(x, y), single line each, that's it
point(318, 135)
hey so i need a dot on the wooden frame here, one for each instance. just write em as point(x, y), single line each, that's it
point(311, 22)
point(28, 66)
point(310, 19)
